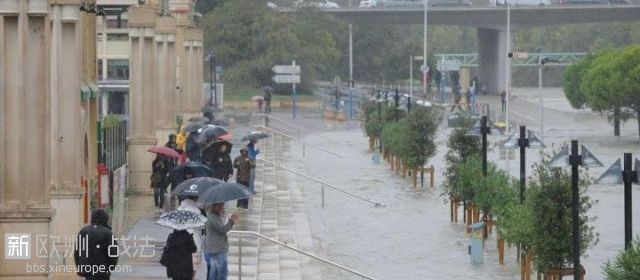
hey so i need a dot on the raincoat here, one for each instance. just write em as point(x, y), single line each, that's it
point(181, 139)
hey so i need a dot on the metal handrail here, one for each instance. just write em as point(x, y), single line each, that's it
point(269, 116)
point(375, 203)
point(284, 244)
point(304, 143)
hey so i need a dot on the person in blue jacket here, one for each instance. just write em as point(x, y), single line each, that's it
point(253, 153)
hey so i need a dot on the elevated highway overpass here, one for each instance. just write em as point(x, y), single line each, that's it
point(487, 17)
point(491, 25)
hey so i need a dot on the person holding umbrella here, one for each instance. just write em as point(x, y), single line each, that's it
point(178, 253)
point(189, 204)
point(245, 165)
point(221, 163)
point(159, 182)
point(216, 244)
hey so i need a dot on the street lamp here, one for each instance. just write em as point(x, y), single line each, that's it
point(616, 175)
point(523, 142)
point(575, 160)
point(541, 63)
point(213, 93)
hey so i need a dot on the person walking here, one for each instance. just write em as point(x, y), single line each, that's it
point(267, 99)
point(221, 163)
point(193, 149)
point(245, 165)
point(101, 248)
point(189, 204)
point(159, 181)
point(253, 154)
point(216, 244)
point(180, 246)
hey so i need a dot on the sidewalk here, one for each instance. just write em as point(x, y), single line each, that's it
point(276, 211)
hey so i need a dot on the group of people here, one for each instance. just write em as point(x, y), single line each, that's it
point(187, 248)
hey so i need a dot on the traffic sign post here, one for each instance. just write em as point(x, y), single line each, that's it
point(288, 74)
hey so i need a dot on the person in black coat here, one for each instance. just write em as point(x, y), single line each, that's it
point(221, 164)
point(180, 262)
point(193, 149)
point(96, 247)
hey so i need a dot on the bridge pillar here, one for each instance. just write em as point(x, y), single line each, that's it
point(492, 55)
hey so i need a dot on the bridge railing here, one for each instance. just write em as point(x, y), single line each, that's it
point(531, 59)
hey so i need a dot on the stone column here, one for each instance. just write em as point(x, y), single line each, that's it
point(166, 77)
point(66, 133)
point(492, 55)
point(142, 82)
point(193, 69)
point(24, 133)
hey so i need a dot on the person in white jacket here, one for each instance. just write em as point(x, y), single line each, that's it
point(189, 204)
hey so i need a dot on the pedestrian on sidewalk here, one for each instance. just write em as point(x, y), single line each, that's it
point(193, 149)
point(503, 100)
point(221, 164)
point(189, 204)
point(245, 165)
point(267, 99)
point(253, 154)
point(159, 181)
point(216, 244)
point(101, 248)
point(179, 262)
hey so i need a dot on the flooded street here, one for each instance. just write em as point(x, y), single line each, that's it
point(412, 237)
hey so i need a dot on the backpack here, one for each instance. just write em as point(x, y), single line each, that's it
point(165, 259)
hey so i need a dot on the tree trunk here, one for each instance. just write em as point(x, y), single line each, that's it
point(616, 121)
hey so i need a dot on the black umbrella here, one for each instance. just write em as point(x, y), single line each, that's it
point(199, 119)
point(199, 170)
point(267, 89)
point(196, 186)
point(211, 132)
point(213, 148)
point(224, 192)
point(193, 126)
point(255, 135)
point(182, 219)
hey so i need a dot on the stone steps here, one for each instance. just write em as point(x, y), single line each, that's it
point(278, 212)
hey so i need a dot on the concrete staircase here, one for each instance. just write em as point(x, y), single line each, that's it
point(278, 212)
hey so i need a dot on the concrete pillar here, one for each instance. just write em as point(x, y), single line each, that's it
point(193, 71)
point(165, 39)
point(181, 104)
point(66, 133)
point(24, 132)
point(492, 55)
point(142, 104)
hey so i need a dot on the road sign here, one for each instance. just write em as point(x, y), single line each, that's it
point(521, 55)
point(286, 79)
point(417, 58)
point(286, 69)
point(448, 65)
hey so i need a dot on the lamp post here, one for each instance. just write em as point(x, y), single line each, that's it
point(424, 54)
point(541, 63)
point(396, 99)
point(213, 94)
point(574, 159)
point(616, 175)
point(523, 142)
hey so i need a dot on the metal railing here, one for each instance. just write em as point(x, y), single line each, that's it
point(325, 184)
point(268, 117)
point(284, 244)
point(304, 143)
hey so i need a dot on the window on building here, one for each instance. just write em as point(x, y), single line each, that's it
point(118, 69)
point(100, 77)
point(117, 102)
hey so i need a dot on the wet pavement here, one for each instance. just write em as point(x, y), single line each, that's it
point(412, 238)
